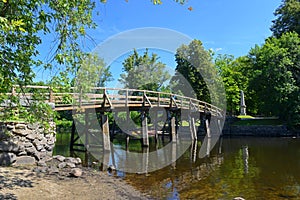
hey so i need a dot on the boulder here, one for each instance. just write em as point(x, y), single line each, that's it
point(59, 158)
point(10, 127)
point(8, 146)
point(42, 163)
point(238, 198)
point(70, 164)
point(76, 172)
point(20, 126)
point(53, 170)
point(25, 160)
point(33, 126)
point(71, 160)
point(21, 132)
point(62, 165)
point(7, 158)
point(31, 136)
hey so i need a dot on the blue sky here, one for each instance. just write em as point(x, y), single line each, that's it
point(231, 26)
point(227, 27)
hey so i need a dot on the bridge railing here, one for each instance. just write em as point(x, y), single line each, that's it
point(110, 97)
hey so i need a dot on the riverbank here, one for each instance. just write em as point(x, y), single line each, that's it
point(259, 127)
point(24, 183)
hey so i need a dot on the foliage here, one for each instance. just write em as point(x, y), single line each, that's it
point(194, 65)
point(155, 2)
point(288, 18)
point(274, 77)
point(231, 71)
point(23, 23)
point(93, 71)
point(144, 72)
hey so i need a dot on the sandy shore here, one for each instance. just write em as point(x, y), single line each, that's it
point(23, 183)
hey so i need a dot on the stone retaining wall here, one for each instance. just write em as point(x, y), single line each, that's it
point(23, 143)
point(258, 130)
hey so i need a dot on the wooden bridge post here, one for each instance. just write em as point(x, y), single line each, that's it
point(51, 97)
point(86, 144)
point(145, 160)
point(155, 127)
point(72, 142)
point(220, 126)
point(145, 139)
point(174, 154)
point(13, 91)
point(207, 124)
point(193, 128)
point(105, 132)
point(194, 151)
point(173, 129)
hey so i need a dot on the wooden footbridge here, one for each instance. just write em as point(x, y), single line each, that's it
point(102, 100)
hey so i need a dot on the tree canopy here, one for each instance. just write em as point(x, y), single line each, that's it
point(234, 80)
point(276, 80)
point(22, 25)
point(144, 72)
point(288, 18)
point(194, 64)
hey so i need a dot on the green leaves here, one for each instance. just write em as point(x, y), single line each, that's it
point(144, 72)
point(288, 18)
point(274, 76)
point(231, 71)
point(194, 64)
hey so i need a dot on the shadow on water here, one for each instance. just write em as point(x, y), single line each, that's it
point(250, 167)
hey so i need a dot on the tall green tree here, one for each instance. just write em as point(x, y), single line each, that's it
point(275, 77)
point(234, 80)
point(92, 73)
point(288, 18)
point(194, 64)
point(144, 72)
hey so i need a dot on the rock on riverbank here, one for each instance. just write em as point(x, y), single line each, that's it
point(28, 183)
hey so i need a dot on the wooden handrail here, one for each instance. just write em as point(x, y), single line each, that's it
point(153, 98)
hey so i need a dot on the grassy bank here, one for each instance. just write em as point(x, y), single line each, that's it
point(254, 122)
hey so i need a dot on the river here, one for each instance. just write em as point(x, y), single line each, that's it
point(248, 167)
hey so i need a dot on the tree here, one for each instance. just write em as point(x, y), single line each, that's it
point(92, 73)
point(21, 27)
point(288, 18)
point(194, 64)
point(144, 72)
point(23, 22)
point(275, 77)
point(234, 80)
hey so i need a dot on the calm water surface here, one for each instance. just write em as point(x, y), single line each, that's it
point(249, 167)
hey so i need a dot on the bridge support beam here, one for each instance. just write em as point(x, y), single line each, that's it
point(145, 136)
point(174, 154)
point(72, 142)
point(86, 127)
point(105, 133)
point(207, 124)
point(220, 126)
point(193, 129)
point(173, 129)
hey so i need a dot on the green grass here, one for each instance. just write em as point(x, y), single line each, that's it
point(253, 122)
point(245, 117)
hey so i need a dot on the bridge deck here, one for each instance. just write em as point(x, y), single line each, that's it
point(111, 98)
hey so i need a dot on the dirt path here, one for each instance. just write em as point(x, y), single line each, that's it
point(23, 183)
